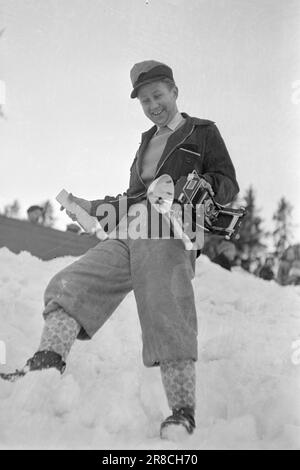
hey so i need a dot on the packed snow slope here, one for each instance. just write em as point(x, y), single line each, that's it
point(248, 390)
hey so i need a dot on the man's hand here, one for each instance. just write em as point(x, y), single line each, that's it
point(83, 203)
point(205, 185)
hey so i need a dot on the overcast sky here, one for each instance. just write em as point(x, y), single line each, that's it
point(71, 124)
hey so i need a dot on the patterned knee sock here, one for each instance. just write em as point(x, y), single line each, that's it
point(179, 380)
point(59, 333)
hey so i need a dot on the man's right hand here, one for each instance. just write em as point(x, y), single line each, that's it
point(83, 203)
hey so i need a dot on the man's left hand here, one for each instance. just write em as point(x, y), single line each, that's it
point(205, 185)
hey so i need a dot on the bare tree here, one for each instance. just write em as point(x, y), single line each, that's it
point(251, 232)
point(12, 210)
point(283, 232)
point(48, 218)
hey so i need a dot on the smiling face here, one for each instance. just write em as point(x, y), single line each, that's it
point(158, 100)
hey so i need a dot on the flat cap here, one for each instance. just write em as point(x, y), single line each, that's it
point(34, 208)
point(146, 72)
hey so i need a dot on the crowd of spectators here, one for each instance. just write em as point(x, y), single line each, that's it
point(284, 269)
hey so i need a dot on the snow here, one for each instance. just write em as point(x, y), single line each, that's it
point(248, 384)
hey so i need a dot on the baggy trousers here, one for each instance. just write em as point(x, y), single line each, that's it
point(158, 270)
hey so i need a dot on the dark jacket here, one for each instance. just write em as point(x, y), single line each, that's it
point(266, 273)
point(196, 145)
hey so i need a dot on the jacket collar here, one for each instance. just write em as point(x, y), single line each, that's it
point(174, 138)
point(190, 121)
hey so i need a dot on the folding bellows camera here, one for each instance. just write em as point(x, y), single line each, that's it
point(218, 219)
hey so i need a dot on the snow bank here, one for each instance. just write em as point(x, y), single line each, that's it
point(247, 375)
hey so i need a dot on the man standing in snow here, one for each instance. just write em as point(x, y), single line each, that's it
point(80, 298)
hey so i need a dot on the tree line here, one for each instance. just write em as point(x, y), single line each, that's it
point(47, 218)
point(252, 235)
